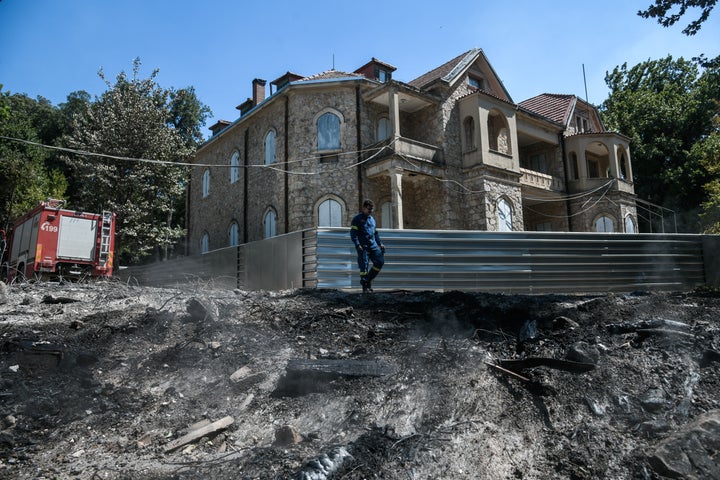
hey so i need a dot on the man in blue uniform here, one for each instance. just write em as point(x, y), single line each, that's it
point(364, 236)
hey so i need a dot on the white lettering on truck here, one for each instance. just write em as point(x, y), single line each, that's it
point(46, 227)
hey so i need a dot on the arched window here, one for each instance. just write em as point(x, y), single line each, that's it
point(235, 167)
point(386, 215)
point(574, 172)
point(328, 132)
point(330, 213)
point(499, 133)
point(233, 235)
point(469, 133)
point(623, 166)
point(205, 243)
point(206, 183)
point(270, 223)
point(630, 225)
point(383, 129)
point(270, 147)
point(505, 220)
point(604, 224)
point(598, 160)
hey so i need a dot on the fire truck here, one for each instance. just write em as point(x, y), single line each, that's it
point(50, 241)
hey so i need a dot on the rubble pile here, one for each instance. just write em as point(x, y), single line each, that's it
point(108, 381)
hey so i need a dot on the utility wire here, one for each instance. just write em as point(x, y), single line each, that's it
point(376, 151)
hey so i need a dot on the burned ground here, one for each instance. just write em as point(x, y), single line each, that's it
point(107, 380)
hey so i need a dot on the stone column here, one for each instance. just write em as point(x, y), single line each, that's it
point(395, 113)
point(614, 164)
point(396, 189)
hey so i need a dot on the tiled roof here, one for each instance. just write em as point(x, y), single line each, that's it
point(440, 71)
point(330, 74)
point(556, 107)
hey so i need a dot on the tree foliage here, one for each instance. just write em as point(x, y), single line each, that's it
point(26, 173)
point(661, 10)
point(667, 108)
point(147, 129)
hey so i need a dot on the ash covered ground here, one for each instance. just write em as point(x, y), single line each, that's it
point(112, 381)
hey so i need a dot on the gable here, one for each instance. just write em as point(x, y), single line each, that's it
point(473, 64)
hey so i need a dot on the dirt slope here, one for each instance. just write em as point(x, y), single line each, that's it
point(112, 381)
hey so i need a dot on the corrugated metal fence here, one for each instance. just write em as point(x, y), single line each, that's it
point(512, 262)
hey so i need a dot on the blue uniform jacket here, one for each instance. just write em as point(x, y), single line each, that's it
point(363, 231)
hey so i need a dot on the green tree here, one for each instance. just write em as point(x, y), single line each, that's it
point(666, 107)
point(141, 184)
point(660, 10)
point(187, 114)
point(26, 175)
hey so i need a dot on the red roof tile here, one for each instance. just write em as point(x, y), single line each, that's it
point(555, 107)
point(439, 72)
point(330, 74)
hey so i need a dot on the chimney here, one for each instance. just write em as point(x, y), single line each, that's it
point(258, 90)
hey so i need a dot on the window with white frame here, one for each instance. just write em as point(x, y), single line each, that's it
point(270, 224)
point(505, 220)
point(604, 224)
point(270, 147)
point(205, 243)
point(330, 213)
point(630, 225)
point(206, 183)
point(233, 235)
point(328, 132)
point(235, 167)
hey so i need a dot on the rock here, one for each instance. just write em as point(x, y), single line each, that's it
point(325, 465)
point(3, 293)
point(9, 422)
point(653, 428)
point(7, 439)
point(244, 377)
point(287, 435)
point(583, 352)
point(202, 309)
point(690, 452)
point(564, 323)
point(654, 400)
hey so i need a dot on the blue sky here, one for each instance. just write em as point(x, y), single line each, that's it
point(52, 47)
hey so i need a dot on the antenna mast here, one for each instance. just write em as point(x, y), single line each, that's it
point(585, 82)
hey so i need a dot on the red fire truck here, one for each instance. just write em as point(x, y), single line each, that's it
point(53, 242)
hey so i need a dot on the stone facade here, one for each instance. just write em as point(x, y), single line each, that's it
point(448, 150)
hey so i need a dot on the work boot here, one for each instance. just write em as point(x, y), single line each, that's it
point(367, 288)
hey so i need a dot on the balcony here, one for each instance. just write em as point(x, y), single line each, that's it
point(542, 181)
point(406, 147)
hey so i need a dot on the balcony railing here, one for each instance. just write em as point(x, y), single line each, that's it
point(542, 181)
point(407, 147)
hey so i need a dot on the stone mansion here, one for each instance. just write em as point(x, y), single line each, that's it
point(449, 150)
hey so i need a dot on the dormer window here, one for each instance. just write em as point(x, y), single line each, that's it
point(382, 75)
point(476, 83)
point(581, 124)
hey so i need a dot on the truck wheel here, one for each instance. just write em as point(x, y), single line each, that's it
point(20, 274)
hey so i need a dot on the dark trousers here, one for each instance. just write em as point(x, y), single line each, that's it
point(367, 255)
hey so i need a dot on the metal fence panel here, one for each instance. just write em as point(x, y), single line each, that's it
point(512, 262)
point(218, 266)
